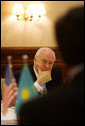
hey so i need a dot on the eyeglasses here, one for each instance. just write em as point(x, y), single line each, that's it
point(44, 62)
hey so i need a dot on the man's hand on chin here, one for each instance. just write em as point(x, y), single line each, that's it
point(44, 76)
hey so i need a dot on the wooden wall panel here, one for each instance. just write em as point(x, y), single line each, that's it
point(17, 61)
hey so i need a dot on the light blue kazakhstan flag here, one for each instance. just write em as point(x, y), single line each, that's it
point(26, 90)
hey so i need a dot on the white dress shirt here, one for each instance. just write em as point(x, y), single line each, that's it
point(40, 89)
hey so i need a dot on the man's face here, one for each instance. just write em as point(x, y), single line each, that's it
point(45, 61)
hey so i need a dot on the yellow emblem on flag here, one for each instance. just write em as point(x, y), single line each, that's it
point(25, 94)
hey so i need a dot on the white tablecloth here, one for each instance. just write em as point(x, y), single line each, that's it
point(10, 117)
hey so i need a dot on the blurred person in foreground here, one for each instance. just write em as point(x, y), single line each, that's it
point(44, 72)
point(64, 105)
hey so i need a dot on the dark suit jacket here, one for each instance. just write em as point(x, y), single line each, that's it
point(64, 105)
point(56, 75)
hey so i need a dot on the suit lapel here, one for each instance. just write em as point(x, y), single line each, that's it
point(32, 72)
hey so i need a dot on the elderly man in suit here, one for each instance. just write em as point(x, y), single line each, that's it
point(43, 71)
point(65, 105)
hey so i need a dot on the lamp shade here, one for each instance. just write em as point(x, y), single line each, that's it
point(18, 9)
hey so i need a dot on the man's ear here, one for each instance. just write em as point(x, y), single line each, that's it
point(35, 60)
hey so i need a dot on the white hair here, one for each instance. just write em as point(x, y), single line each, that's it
point(42, 49)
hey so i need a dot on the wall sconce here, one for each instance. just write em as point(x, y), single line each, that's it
point(33, 12)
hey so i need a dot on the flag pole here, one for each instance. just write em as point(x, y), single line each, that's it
point(10, 64)
point(25, 57)
point(9, 59)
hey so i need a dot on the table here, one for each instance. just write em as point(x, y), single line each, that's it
point(10, 118)
point(8, 122)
